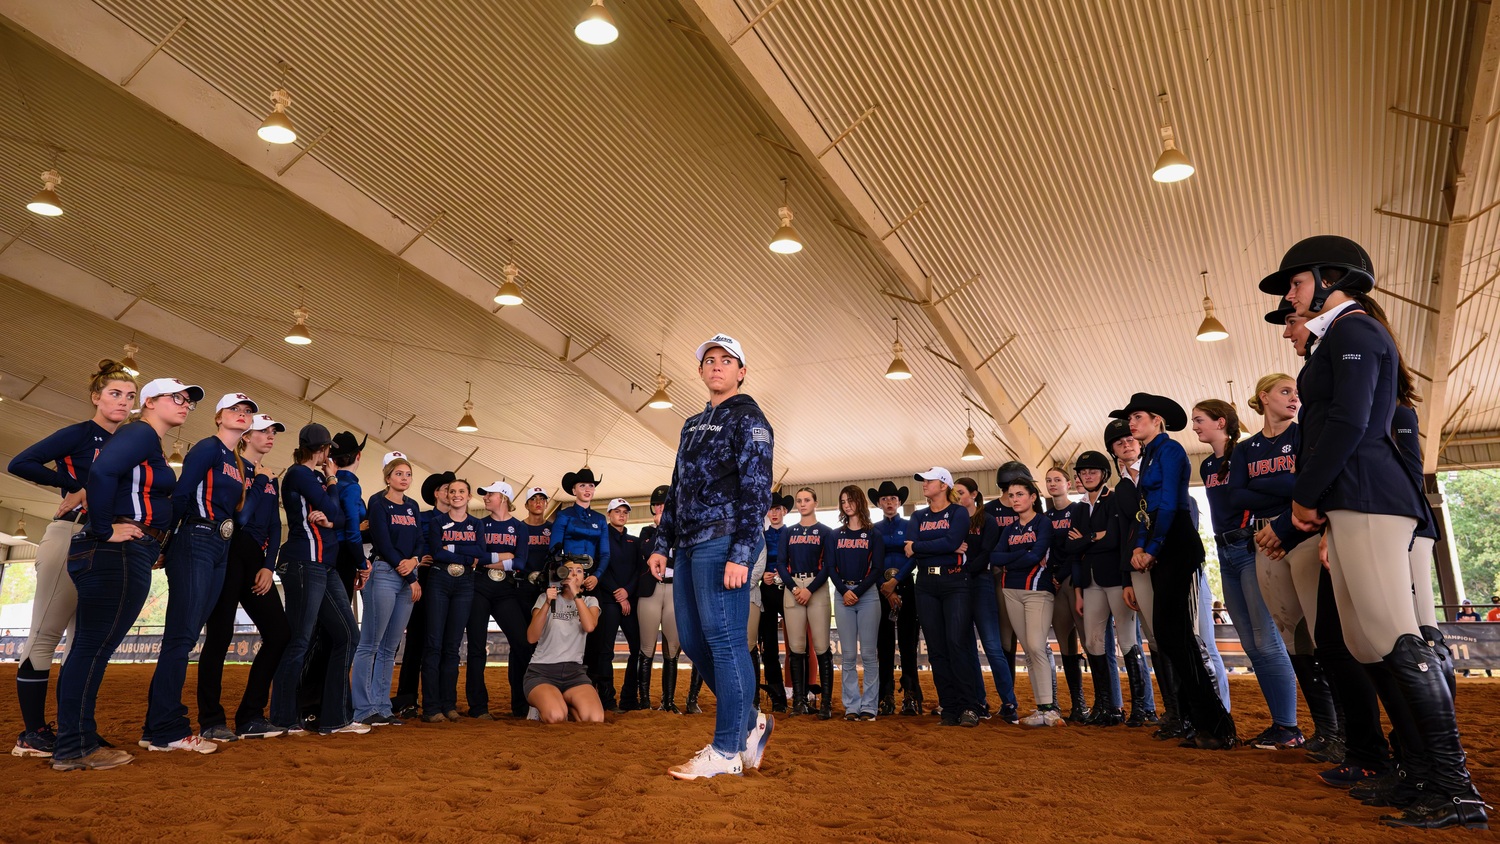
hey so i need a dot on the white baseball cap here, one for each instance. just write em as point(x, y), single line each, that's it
point(232, 399)
point(617, 502)
point(501, 487)
point(936, 473)
point(728, 343)
point(533, 492)
point(168, 386)
point(392, 455)
point(263, 421)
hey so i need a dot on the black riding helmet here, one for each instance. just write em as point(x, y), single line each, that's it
point(1011, 472)
point(1116, 429)
point(1314, 254)
point(1093, 460)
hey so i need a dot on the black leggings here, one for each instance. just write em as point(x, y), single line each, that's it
point(510, 606)
point(769, 639)
point(245, 561)
point(1175, 587)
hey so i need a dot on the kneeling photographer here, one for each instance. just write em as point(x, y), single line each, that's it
point(556, 682)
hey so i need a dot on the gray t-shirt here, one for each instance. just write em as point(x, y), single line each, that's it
point(563, 637)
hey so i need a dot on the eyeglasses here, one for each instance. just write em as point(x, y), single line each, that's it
point(181, 399)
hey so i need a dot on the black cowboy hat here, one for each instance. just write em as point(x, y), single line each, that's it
point(785, 502)
point(344, 444)
point(1116, 429)
point(429, 486)
point(1168, 410)
point(582, 476)
point(659, 495)
point(888, 488)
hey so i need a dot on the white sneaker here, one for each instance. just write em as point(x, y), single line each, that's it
point(356, 727)
point(757, 739)
point(1043, 718)
point(533, 714)
point(193, 743)
point(708, 763)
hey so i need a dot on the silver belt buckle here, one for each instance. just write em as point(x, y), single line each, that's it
point(456, 569)
point(226, 528)
point(496, 575)
point(934, 569)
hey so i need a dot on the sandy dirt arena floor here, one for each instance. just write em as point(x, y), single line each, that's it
point(897, 779)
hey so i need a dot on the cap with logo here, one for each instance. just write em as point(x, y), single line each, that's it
point(231, 399)
point(170, 386)
point(936, 473)
point(617, 502)
point(263, 421)
point(724, 341)
point(391, 455)
point(534, 491)
point(501, 487)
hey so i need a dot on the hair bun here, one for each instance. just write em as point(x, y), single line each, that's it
point(107, 365)
point(1256, 404)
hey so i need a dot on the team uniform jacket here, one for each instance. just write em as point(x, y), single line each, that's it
point(1163, 483)
point(804, 550)
point(302, 492)
point(451, 540)
point(579, 530)
point(721, 483)
point(625, 557)
point(71, 450)
point(260, 519)
point(1099, 564)
point(211, 483)
point(130, 479)
point(855, 558)
point(1127, 502)
point(1020, 555)
point(1066, 555)
point(396, 531)
point(935, 538)
point(893, 536)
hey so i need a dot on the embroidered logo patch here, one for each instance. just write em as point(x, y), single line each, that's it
point(760, 435)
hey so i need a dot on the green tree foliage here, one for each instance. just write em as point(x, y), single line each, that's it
point(1474, 510)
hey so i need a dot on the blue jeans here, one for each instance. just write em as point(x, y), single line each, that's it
point(447, 615)
point(1258, 634)
point(986, 605)
point(1206, 633)
point(945, 607)
point(711, 625)
point(113, 580)
point(387, 606)
point(196, 559)
point(315, 596)
point(859, 638)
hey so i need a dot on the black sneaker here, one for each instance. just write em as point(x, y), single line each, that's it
point(947, 721)
point(33, 743)
point(909, 707)
point(1279, 738)
point(1009, 713)
point(1347, 776)
point(1332, 753)
point(851, 716)
point(259, 728)
point(970, 718)
point(984, 711)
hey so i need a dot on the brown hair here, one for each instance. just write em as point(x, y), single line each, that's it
point(809, 491)
point(109, 370)
point(1264, 385)
point(1406, 386)
point(1030, 486)
point(1219, 409)
point(861, 505)
point(1061, 471)
point(972, 486)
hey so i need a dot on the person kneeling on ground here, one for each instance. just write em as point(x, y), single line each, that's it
point(556, 682)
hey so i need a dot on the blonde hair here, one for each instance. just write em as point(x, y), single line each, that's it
point(392, 466)
point(108, 371)
point(1264, 385)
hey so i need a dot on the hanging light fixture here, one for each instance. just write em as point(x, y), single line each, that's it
point(21, 525)
point(786, 240)
point(1173, 164)
point(297, 335)
point(971, 451)
point(46, 202)
point(897, 371)
point(128, 362)
point(467, 425)
point(1210, 329)
point(277, 127)
point(597, 27)
point(175, 461)
point(659, 399)
point(509, 293)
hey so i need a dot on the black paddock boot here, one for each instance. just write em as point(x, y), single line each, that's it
point(1451, 798)
point(825, 674)
point(1142, 708)
point(1318, 694)
point(1104, 713)
point(669, 685)
point(643, 665)
point(755, 675)
point(1172, 723)
point(911, 702)
point(799, 684)
point(1078, 711)
point(695, 684)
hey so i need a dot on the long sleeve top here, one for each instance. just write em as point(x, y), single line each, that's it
point(1100, 561)
point(980, 539)
point(538, 544)
point(624, 556)
point(1408, 440)
point(1164, 485)
point(1066, 555)
point(302, 492)
point(130, 479)
point(579, 530)
point(1021, 554)
point(854, 557)
point(260, 518)
point(893, 536)
point(1127, 502)
point(1263, 472)
point(803, 551)
point(71, 450)
point(210, 484)
point(773, 546)
point(935, 537)
point(1225, 516)
point(505, 536)
point(451, 540)
point(396, 530)
point(352, 500)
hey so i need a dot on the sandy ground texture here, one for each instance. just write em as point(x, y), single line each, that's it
point(897, 779)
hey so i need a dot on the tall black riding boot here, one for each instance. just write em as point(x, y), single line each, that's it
point(1078, 711)
point(643, 663)
point(1172, 724)
point(755, 678)
point(1317, 693)
point(669, 685)
point(1453, 801)
point(695, 684)
point(1408, 748)
point(1444, 656)
point(1104, 714)
point(799, 684)
point(825, 674)
point(1142, 708)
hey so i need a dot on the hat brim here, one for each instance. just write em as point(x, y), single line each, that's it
point(1170, 411)
point(274, 426)
point(1278, 316)
point(429, 486)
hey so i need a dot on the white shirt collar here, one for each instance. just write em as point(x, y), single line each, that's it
point(1318, 325)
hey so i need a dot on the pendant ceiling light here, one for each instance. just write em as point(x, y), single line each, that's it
point(467, 425)
point(21, 525)
point(509, 293)
point(971, 451)
point(297, 335)
point(46, 202)
point(1210, 329)
point(131, 350)
point(277, 127)
point(786, 240)
point(597, 27)
point(660, 400)
point(175, 461)
point(1173, 164)
point(898, 370)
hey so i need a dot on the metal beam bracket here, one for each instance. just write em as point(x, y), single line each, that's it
point(904, 220)
point(154, 50)
point(1413, 302)
point(420, 234)
point(596, 344)
point(755, 20)
point(1438, 223)
point(1022, 408)
point(1483, 337)
point(991, 356)
point(839, 138)
point(946, 296)
point(307, 149)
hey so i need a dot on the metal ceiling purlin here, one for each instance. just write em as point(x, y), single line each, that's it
point(99, 41)
point(1469, 147)
point(757, 69)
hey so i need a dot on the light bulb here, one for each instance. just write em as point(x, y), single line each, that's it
point(467, 425)
point(898, 370)
point(1172, 165)
point(297, 335)
point(277, 127)
point(46, 202)
point(509, 293)
point(1211, 330)
point(597, 27)
point(786, 241)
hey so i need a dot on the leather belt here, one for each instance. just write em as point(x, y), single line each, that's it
point(77, 517)
point(225, 527)
point(1234, 537)
point(155, 533)
point(457, 569)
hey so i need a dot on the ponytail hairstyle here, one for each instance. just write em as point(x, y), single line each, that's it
point(1406, 386)
point(302, 455)
point(972, 486)
point(108, 370)
point(1217, 409)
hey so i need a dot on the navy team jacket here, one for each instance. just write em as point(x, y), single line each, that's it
point(130, 479)
point(396, 530)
